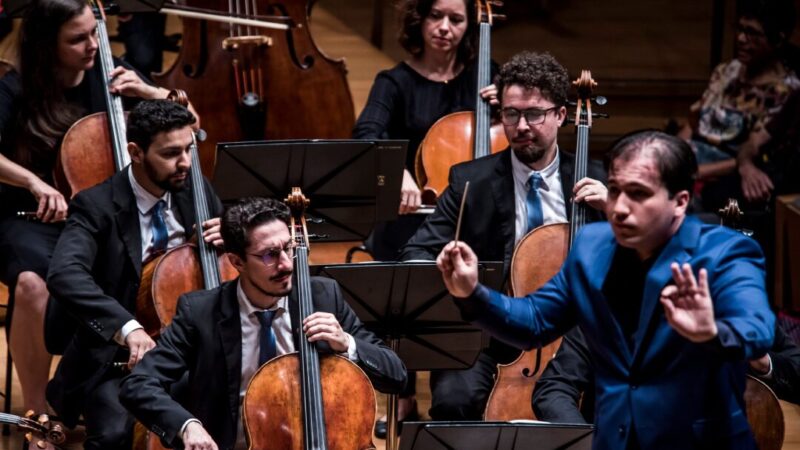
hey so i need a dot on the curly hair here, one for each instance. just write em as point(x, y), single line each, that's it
point(248, 213)
point(151, 117)
point(414, 12)
point(535, 70)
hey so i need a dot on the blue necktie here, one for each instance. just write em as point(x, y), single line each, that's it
point(159, 227)
point(267, 349)
point(534, 202)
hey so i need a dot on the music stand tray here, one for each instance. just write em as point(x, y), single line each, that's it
point(408, 304)
point(351, 183)
point(495, 436)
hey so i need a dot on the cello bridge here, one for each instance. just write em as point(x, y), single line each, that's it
point(233, 43)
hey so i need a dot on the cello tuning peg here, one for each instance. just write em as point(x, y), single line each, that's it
point(571, 103)
point(497, 3)
point(598, 115)
point(600, 100)
point(499, 17)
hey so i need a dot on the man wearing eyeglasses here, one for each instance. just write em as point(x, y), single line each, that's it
point(222, 336)
point(511, 192)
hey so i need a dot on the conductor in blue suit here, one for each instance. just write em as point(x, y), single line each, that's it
point(671, 308)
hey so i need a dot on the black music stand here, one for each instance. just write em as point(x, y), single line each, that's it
point(408, 305)
point(495, 436)
point(351, 183)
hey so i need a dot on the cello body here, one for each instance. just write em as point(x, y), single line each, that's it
point(537, 257)
point(272, 406)
point(255, 84)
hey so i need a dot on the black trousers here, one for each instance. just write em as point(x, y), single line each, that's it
point(462, 394)
point(108, 424)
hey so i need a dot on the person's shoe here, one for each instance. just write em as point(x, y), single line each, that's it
point(382, 428)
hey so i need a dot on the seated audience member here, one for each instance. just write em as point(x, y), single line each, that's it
point(745, 93)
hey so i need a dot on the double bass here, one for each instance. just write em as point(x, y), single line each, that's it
point(537, 258)
point(464, 135)
point(255, 83)
point(303, 400)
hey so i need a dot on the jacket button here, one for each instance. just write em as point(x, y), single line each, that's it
point(634, 387)
point(622, 430)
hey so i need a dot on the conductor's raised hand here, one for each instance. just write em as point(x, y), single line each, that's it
point(688, 306)
point(459, 267)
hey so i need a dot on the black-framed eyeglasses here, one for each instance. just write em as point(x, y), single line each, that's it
point(534, 116)
point(272, 255)
point(750, 32)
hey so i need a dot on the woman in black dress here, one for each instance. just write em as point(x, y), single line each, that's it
point(439, 78)
point(59, 81)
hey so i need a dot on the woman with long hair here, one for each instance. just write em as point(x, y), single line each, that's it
point(58, 82)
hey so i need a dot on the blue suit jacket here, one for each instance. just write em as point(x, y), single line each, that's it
point(674, 393)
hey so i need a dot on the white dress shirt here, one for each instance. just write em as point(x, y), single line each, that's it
point(284, 343)
point(177, 235)
point(554, 208)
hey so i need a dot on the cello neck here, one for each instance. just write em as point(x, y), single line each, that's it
point(208, 256)
point(314, 432)
point(116, 116)
point(583, 122)
point(482, 146)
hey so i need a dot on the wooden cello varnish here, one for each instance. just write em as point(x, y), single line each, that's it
point(537, 257)
point(464, 135)
point(255, 83)
point(303, 401)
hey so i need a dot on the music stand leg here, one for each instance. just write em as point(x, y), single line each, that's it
point(391, 409)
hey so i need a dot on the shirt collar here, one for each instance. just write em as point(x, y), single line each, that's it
point(522, 172)
point(144, 199)
point(248, 309)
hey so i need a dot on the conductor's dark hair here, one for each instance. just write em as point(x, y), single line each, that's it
point(248, 213)
point(151, 117)
point(674, 158)
point(535, 70)
point(414, 12)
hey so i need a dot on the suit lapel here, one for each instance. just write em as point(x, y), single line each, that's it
point(126, 215)
point(678, 249)
point(602, 260)
point(503, 194)
point(185, 206)
point(230, 332)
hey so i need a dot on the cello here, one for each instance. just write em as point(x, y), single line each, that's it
point(80, 165)
point(185, 268)
point(83, 160)
point(302, 400)
point(538, 257)
point(260, 83)
point(464, 135)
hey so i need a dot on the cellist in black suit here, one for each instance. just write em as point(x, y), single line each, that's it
point(113, 228)
point(220, 337)
point(510, 193)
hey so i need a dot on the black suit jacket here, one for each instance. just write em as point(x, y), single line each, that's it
point(489, 215)
point(94, 277)
point(205, 340)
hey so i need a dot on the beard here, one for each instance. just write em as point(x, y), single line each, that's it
point(529, 154)
point(167, 183)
